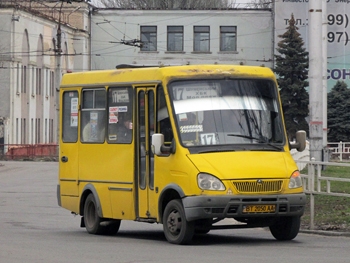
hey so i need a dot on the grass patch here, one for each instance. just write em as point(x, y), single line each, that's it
point(331, 212)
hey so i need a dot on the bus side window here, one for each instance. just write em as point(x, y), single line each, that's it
point(163, 116)
point(120, 114)
point(70, 116)
point(93, 115)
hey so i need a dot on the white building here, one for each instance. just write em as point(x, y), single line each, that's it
point(31, 64)
point(172, 37)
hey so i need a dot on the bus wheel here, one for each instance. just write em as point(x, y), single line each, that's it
point(91, 219)
point(286, 228)
point(177, 229)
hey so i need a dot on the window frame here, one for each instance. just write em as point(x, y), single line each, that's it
point(173, 34)
point(148, 33)
point(198, 32)
point(70, 116)
point(94, 110)
point(126, 105)
point(225, 33)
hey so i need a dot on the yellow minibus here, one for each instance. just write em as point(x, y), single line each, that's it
point(183, 146)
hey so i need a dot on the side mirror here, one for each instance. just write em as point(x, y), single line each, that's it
point(300, 142)
point(158, 147)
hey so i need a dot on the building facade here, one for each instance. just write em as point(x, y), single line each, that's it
point(37, 46)
point(178, 37)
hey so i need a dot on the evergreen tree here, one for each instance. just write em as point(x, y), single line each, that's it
point(292, 65)
point(339, 113)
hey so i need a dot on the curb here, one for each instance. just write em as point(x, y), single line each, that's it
point(325, 233)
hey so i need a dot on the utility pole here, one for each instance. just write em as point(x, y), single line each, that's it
point(58, 53)
point(315, 79)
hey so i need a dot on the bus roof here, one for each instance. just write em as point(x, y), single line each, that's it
point(159, 74)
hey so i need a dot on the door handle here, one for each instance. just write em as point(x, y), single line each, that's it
point(64, 159)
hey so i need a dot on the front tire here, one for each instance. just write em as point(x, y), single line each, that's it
point(177, 229)
point(91, 219)
point(285, 228)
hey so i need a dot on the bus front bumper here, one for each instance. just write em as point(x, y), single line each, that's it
point(202, 207)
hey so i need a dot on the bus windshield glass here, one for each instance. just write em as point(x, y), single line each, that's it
point(227, 112)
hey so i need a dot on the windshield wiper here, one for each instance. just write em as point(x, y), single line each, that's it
point(247, 137)
point(260, 140)
point(279, 148)
point(216, 150)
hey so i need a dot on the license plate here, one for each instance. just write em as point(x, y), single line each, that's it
point(259, 209)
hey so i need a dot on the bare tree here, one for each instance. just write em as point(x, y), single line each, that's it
point(261, 4)
point(169, 4)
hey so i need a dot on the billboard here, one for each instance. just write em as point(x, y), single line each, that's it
point(337, 33)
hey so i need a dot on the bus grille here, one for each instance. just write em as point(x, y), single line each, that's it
point(258, 186)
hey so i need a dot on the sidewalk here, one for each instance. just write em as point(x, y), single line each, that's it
point(325, 233)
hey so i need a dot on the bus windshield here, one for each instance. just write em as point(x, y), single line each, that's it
point(227, 112)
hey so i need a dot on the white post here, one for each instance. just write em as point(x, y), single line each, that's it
point(315, 79)
point(324, 55)
point(311, 172)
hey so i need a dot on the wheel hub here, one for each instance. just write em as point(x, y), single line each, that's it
point(173, 222)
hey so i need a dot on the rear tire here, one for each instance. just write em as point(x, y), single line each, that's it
point(285, 228)
point(177, 229)
point(91, 219)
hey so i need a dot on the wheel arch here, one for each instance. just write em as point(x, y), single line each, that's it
point(170, 192)
point(90, 189)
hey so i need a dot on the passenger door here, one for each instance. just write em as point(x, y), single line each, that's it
point(144, 157)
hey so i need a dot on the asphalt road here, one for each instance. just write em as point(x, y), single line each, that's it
point(34, 229)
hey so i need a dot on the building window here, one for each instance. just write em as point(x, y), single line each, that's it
point(201, 38)
point(51, 130)
point(149, 38)
point(24, 79)
point(38, 81)
point(175, 38)
point(52, 83)
point(23, 131)
point(18, 79)
point(228, 38)
point(37, 131)
point(32, 132)
point(32, 77)
point(47, 72)
point(45, 131)
point(17, 132)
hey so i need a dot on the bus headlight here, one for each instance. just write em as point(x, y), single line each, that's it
point(209, 182)
point(295, 180)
